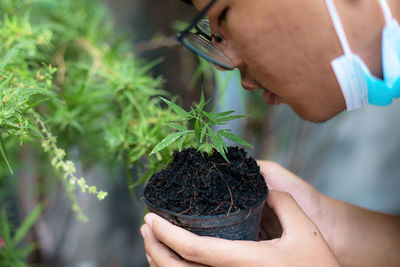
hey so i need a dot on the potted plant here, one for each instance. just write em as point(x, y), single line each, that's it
point(209, 188)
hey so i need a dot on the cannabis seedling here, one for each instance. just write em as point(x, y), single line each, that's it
point(206, 139)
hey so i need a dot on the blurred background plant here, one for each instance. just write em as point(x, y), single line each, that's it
point(73, 95)
point(76, 84)
point(12, 254)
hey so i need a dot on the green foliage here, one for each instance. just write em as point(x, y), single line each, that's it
point(67, 81)
point(12, 252)
point(205, 138)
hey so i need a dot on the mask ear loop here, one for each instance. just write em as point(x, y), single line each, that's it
point(386, 11)
point(338, 27)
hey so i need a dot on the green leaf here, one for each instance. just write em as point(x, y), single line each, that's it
point(197, 131)
point(226, 113)
point(203, 133)
point(234, 138)
point(210, 116)
point(202, 101)
point(206, 148)
point(218, 143)
point(166, 142)
point(27, 224)
point(136, 154)
point(221, 151)
point(5, 227)
point(175, 107)
point(142, 179)
point(7, 57)
point(229, 118)
point(33, 105)
point(155, 130)
point(222, 143)
point(176, 126)
point(4, 155)
point(181, 142)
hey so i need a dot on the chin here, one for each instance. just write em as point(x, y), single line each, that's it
point(316, 116)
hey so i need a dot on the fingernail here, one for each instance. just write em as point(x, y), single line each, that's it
point(143, 231)
point(148, 220)
point(148, 258)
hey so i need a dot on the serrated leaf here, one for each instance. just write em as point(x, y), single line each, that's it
point(222, 143)
point(218, 143)
point(202, 103)
point(226, 113)
point(205, 147)
point(229, 118)
point(175, 107)
point(234, 138)
point(215, 138)
point(176, 126)
point(197, 131)
point(181, 142)
point(210, 116)
point(212, 135)
point(203, 133)
point(221, 151)
point(166, 142)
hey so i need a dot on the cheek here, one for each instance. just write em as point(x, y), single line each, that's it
point(291, 59)
point(257, 49)
point(282, 51)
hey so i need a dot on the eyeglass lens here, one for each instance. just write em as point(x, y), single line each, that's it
point(201, 43)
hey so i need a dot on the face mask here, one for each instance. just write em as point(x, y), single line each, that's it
point(358, 85)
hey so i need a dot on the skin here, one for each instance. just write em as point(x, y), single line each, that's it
point(285, 48)
point(317, 224)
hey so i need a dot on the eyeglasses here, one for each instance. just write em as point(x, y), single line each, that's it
point(200, 42)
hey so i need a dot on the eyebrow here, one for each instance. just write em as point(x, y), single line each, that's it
point(221, 17)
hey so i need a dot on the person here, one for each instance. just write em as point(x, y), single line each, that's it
point(320, 57)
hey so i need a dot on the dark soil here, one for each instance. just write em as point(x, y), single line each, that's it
point(197, 185)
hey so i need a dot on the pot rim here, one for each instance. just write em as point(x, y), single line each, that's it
point(233, 214)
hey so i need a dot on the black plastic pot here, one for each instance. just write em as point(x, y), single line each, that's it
point(240, 225)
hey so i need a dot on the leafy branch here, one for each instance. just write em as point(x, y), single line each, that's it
point(206, 139)
point(12, 251)
point(49, 144)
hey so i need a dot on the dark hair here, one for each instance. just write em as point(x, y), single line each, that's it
point(188, 2)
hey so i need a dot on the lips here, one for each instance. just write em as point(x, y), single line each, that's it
point(269, 97)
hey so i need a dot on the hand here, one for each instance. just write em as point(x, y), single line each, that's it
point(301, 243)
point(314, 204)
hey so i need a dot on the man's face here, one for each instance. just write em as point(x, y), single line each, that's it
point(284, 48)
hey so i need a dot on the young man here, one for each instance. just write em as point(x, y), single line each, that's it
point(320, 57)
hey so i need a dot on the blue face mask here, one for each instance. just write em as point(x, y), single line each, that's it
point(358, 85)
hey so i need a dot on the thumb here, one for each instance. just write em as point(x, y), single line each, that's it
point(281, 179)
point(290, 215)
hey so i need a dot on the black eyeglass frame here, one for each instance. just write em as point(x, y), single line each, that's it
point(181, 36)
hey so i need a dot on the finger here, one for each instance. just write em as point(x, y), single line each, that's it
point(281, 179)
point(204, 250)
point(158, 254)
point(290, 215)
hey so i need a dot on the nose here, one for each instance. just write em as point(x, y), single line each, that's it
point(229, 50)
